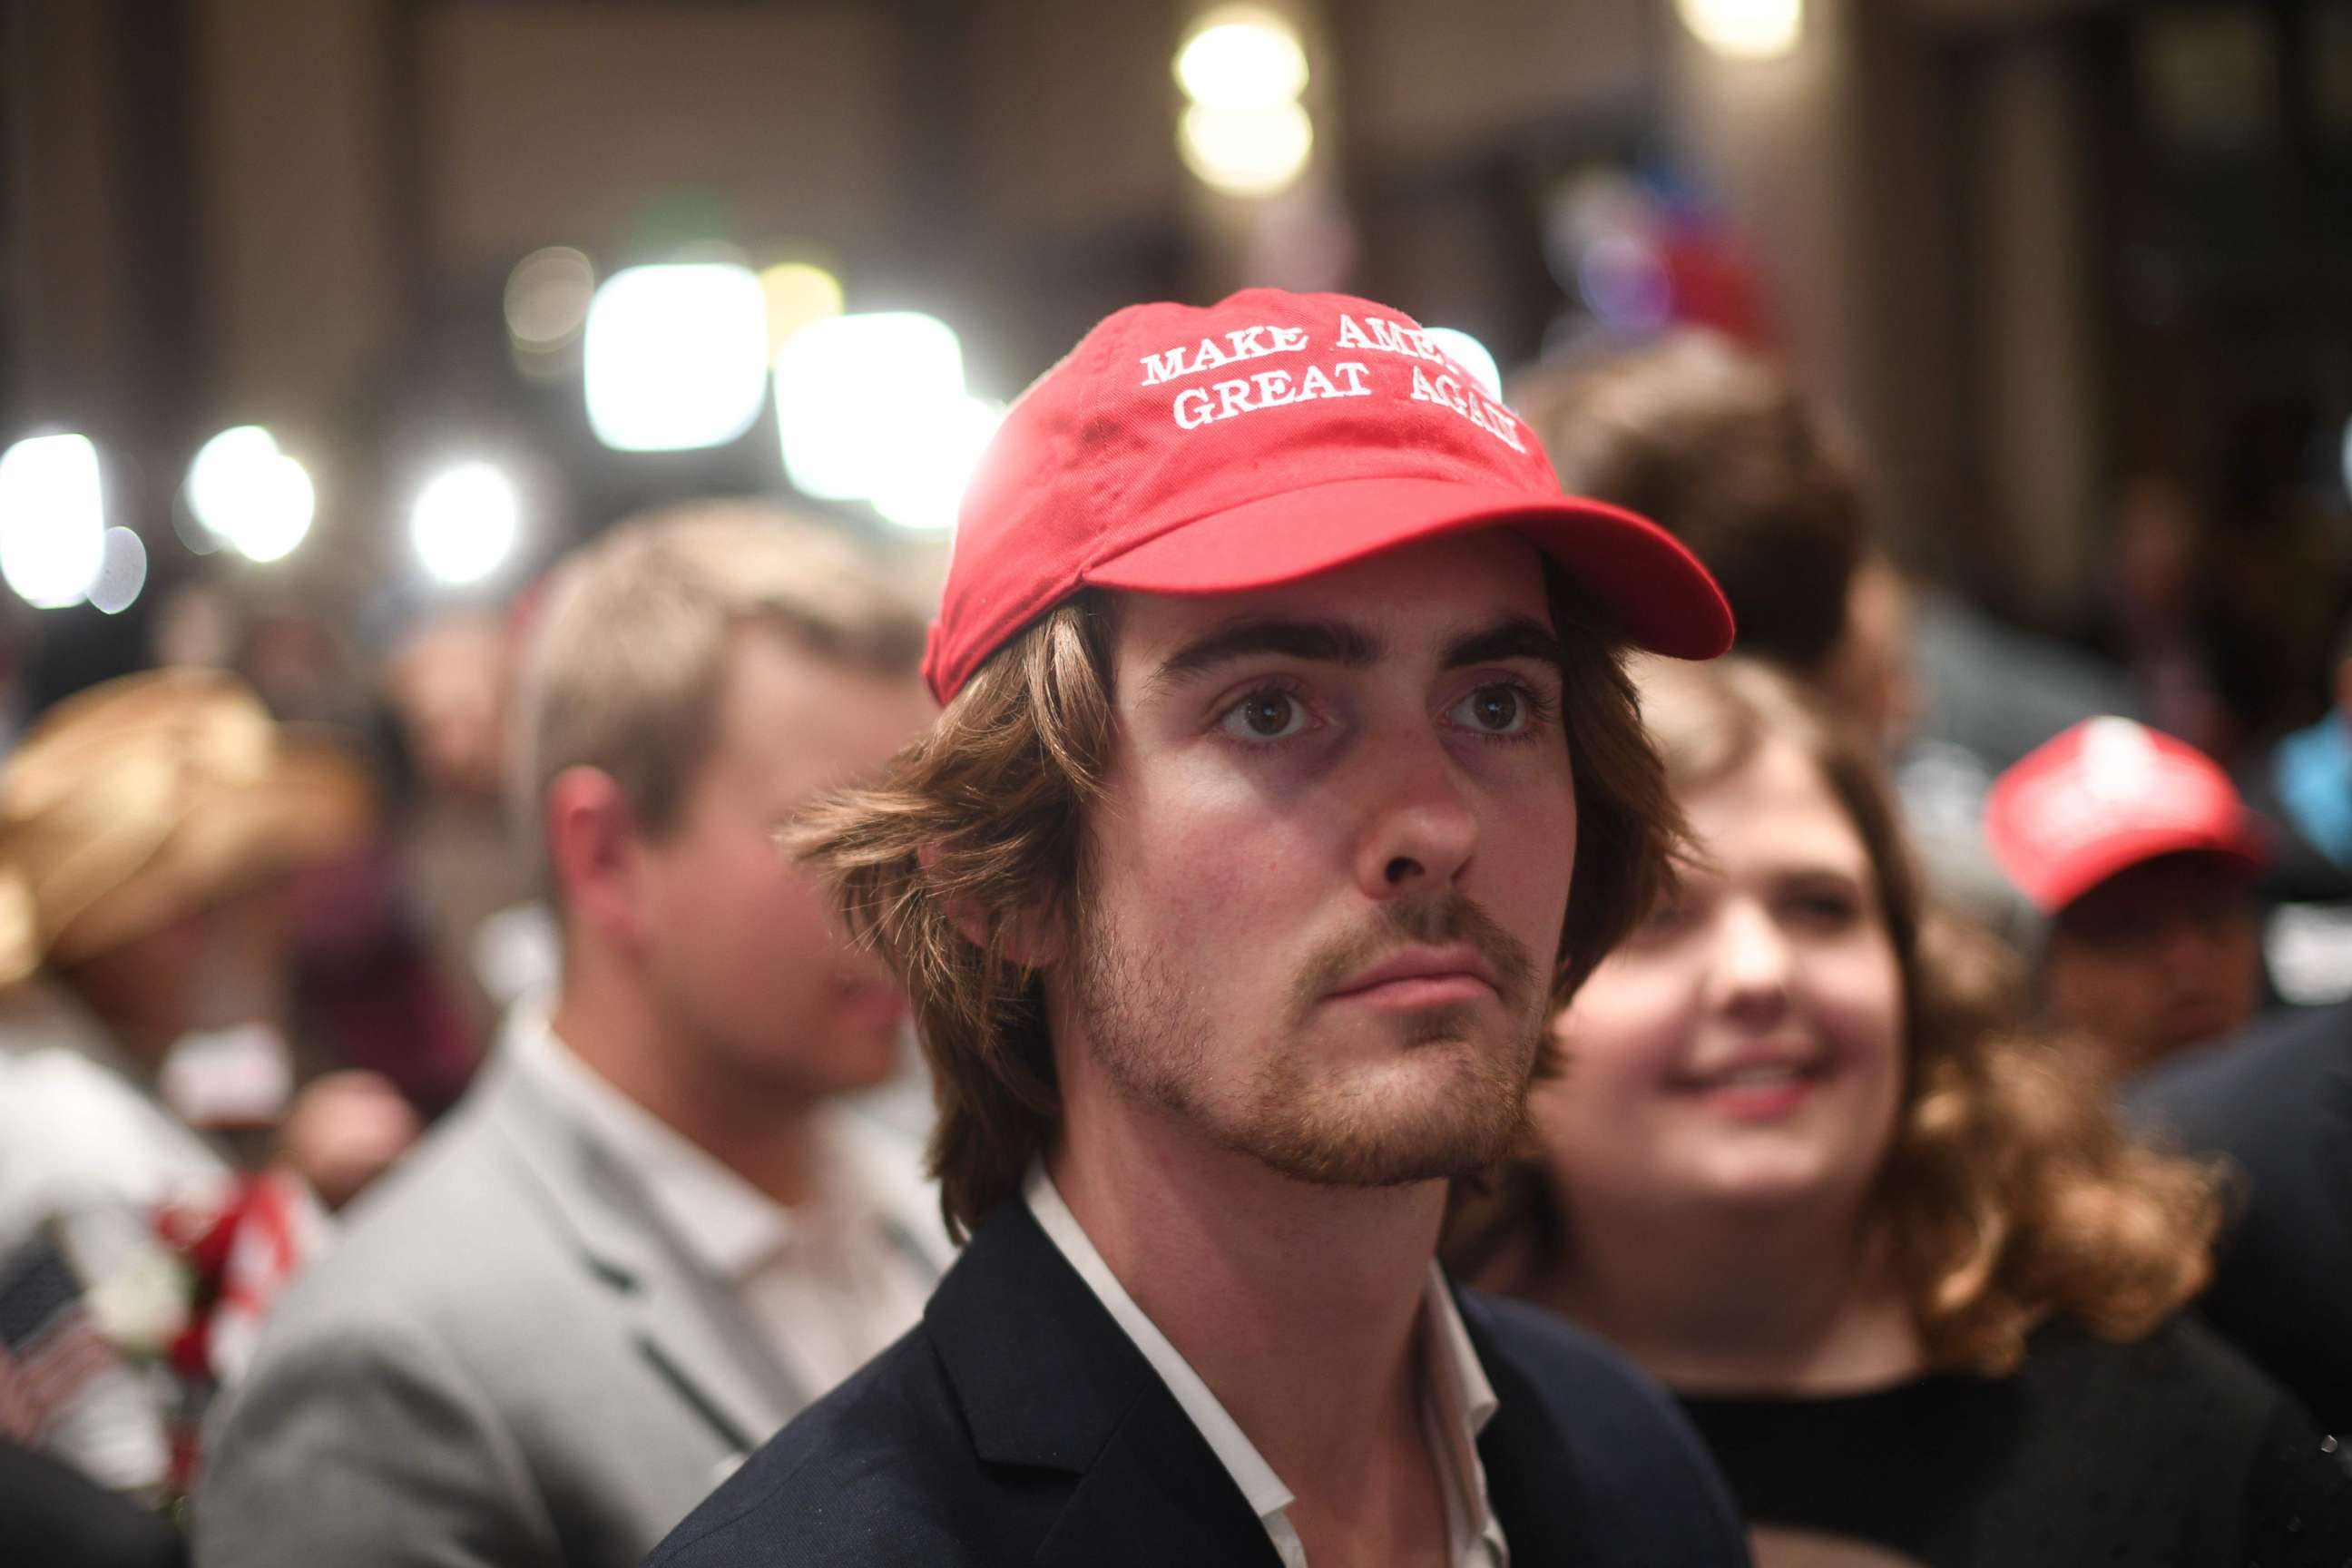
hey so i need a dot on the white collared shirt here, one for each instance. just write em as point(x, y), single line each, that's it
point(1457, 1401)
point(830, 1282)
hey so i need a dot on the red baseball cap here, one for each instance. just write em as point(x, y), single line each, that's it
point(2102, 797)
point(1262, 439)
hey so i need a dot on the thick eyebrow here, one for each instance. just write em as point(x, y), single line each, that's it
point(1517, 638)
point(1322, 642)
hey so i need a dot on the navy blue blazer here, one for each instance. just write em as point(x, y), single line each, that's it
point(2278, 1102)
point(1018, 1423)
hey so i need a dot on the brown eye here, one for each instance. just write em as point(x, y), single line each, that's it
point(1493, 711)
point(1265, 716)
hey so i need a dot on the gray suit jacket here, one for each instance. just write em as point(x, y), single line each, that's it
point(504, 1361)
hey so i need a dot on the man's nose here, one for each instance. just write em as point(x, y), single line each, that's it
point(1421, 828)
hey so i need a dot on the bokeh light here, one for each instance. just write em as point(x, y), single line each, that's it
point(224, 474)
point(465, 522)
point(856, 394)
point(1471, 355)
point(122, 572)
point(1745, 29)
point(1240, 57)
point(247, 493)
point(1246, 151)
point(548, 295)
point(284, 502)
point(547, 298)
point(675, 357)
point(52, 519)
point(1244, 130)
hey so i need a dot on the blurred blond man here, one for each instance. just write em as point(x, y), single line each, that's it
point(650, 1235)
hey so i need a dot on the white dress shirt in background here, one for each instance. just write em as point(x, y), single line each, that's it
point(829, 1281)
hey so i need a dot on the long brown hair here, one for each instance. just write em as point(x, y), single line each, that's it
point(2010, 1193)
point(975, 838)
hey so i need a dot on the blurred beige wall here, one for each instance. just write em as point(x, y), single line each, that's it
point(557, 124)
point(1429, 79)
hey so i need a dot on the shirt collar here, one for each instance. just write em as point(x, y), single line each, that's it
point(1260, 1487)
point(1458, 1403)
point(729, 1226)
point(1468, 1398)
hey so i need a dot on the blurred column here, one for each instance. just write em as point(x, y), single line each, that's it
point(298, 192)
point(64, 210)
point(1778, 139)
point(1841, 164)
point(2038, 401)
point(97, 332)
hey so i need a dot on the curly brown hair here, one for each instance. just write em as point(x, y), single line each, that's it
point(2010, 1192)
point(976, 837)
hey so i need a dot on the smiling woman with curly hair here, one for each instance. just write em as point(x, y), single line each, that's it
point(1915, 1286)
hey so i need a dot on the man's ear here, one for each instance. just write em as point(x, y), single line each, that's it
point(1033, 939)
point(591, 847)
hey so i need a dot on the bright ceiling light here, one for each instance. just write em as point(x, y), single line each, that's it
point(1246, 151)
point(226, 472)
point(122, 574)
point(1240, 57)
point(1471, 355)
point(1746, 29)
point(852, 389)
point(278, 517)
point(675, 357)
point(465, 523)
point(923, 490)
point(52, 519)
point(248, 494)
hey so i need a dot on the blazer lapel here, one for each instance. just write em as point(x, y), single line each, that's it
point(691, 1332)
point(1049, 1380)
point(1154, 1500)
point(1535, 1495)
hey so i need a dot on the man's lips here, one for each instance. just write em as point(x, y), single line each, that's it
point(1419, 977)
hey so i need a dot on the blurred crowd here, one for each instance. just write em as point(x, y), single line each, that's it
point(439, 1122)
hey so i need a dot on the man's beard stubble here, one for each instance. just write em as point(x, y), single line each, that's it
point(1147, 1029)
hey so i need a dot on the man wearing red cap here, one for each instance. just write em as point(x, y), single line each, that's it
point(1286, 782)
point(2140, 852)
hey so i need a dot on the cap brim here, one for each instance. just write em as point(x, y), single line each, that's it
point(2060, 883)
point(1663, 598)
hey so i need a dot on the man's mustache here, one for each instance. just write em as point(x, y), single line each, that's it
point(1441, 918)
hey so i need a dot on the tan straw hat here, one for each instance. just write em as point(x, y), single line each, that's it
point(146, 799)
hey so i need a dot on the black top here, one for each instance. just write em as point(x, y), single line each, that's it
point(2170, 1453)
point(2278, 1102)
point(1018, 1423)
